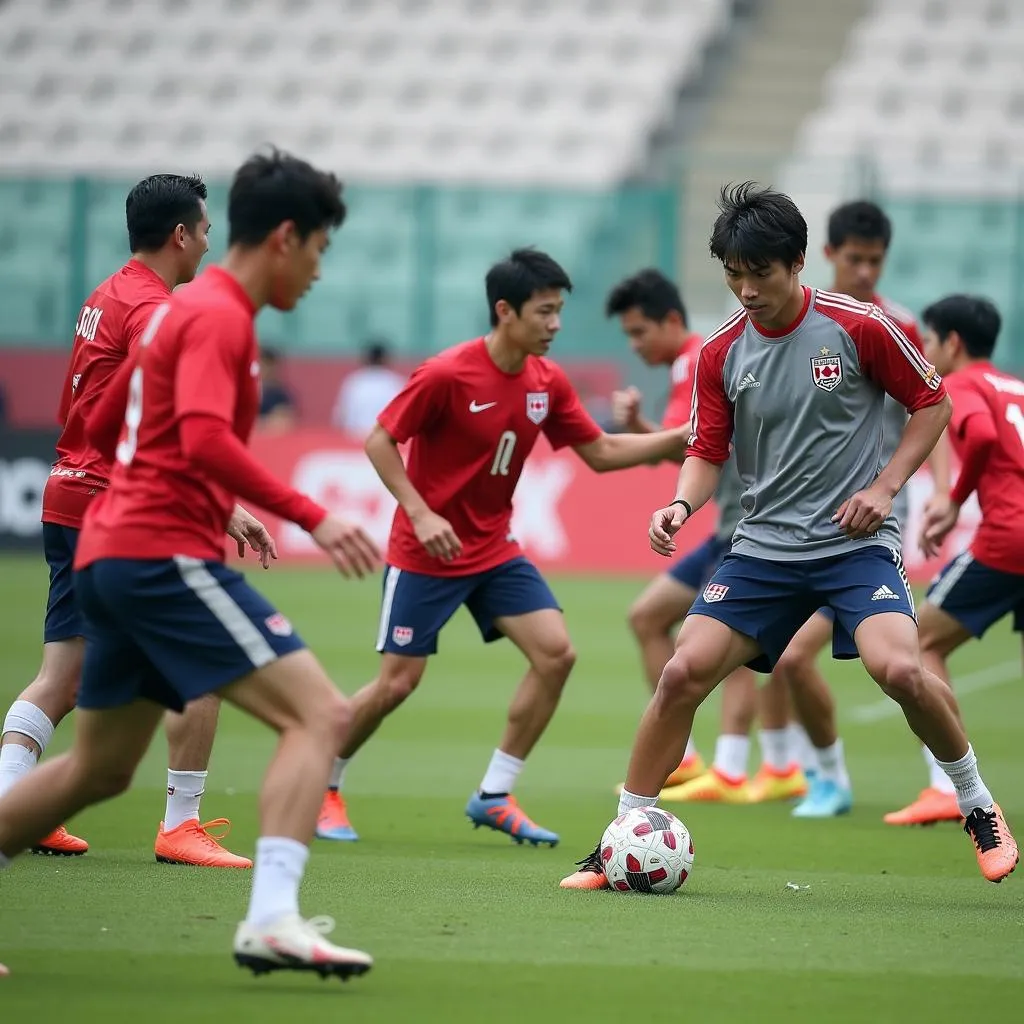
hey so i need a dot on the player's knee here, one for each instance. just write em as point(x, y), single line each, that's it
point(556, 662)
point(902, 679)
point(55, 690)
point(640, 620)
point(335, 720)
point(683, 681)
point(792, 665)
point(100, 778)
point(397, 687)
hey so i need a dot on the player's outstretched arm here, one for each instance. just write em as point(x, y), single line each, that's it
point(698, 480)
point(434, 532)
point(620, 451)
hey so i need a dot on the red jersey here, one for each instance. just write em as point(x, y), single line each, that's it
point(901, 316)
point(471, 427)
point(987, 431)
point(680, 398)
point(197, 357)
point(109, 327)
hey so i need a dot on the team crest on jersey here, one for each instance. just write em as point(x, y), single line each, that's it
point(278, 624)
point(402, 635)
point(715, 592)
point(827, 372)
point(537, 406)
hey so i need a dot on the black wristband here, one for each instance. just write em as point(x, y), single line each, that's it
point(685, 504)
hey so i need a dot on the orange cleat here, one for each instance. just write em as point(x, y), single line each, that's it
point(333, 821)
point(931, 806)
point(771, 784)
point(195, 845)
point(711, 787)
point(61, 843)
point(588, 875)
point(995, 847)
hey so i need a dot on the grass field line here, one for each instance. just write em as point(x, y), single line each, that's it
point(972, 682)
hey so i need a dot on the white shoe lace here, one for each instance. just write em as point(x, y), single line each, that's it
point(322, 924)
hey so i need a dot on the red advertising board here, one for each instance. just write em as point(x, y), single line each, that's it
point(566, 516)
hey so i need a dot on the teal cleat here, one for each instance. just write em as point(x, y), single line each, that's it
point(826, 799)
point(503, 814)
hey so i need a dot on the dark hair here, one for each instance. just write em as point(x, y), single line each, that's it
point(274, 187)
point(519, 277)
point(975, 319)
point(158, 204)
point(270, 355)
point(651, 292)
point(756, 226)
point(859, 219)
point(376, 352)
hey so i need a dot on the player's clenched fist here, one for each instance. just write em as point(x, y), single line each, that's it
point(435, 533)
point(863, 514)
point(665, 524)
point(349, 546)
point(626, 407)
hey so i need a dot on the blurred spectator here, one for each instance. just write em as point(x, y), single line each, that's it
point(277, 408)
point(365, 391)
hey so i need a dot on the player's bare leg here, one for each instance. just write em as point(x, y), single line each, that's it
point(815, 708)
point(294, 696)
point(706, 652)
point(653, 620)
point(30, 722)
point(726, 781)
point(888, 646)
point(543, 639)
point(108, 747)
point(181, 838)
point(940, 635)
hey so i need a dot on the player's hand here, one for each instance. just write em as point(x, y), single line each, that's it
point(940, 516)
point(247, 531)
point(863, 514)
point(626, 408)
point(435, 533)
point(349, 545)
point(665, 524)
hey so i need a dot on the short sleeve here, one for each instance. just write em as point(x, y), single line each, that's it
point(967, 402)
point(418, 405)
point(568, 424)
point(214, 350)
point(711, 412)
point(895, 363)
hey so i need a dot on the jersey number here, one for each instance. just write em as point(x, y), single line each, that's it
point(88, 321)
point(1015, 415)
point(132, 419)
point(503, 454)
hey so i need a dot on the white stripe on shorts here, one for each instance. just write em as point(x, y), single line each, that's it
point(897, 557)
point(238, 625)
point(953, 576)
point(390, 584)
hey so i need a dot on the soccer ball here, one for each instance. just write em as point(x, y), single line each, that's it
point(647, 850)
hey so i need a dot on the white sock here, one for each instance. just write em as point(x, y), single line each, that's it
point(184, 791)
point(15, 761)
point(629, 801)
point(937, 778)
point(801, 749)
point(277, 873)
point(501, 773)
point(731, 753)
point(775, 748)
point(971, 791)
point(691, 749)
point(832, 764)
point(338, 772)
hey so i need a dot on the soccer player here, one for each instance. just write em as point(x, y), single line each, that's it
point(986, 582)
point(167, 235)
point(652, 315)
point(859, 235)
point(471, 416)
point(168, 622)
point(819, 530)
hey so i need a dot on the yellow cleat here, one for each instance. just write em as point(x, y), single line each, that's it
point(771, 784)
point(688, 769)
point(711, 787)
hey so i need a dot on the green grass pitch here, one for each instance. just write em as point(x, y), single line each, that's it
point(897, 925)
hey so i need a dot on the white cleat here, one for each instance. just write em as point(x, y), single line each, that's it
point(294, 944)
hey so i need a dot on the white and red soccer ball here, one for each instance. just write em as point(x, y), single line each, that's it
point(647, 850)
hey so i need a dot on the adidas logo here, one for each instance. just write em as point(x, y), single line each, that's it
point(883, 593)
point(748, 381)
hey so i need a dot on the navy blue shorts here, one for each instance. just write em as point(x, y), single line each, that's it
point(416, 607)
point(696, 567)
point(172, 630)
point(63, 620)
point(977, 596)
point(769, 601)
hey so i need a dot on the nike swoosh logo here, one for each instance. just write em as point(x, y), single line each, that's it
point(473, 407)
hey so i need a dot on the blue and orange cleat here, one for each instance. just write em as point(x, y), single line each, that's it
point(503, 814)
point(333, 821)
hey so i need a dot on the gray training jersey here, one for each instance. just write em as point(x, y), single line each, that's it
point(803, 410)
point(727, 500)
